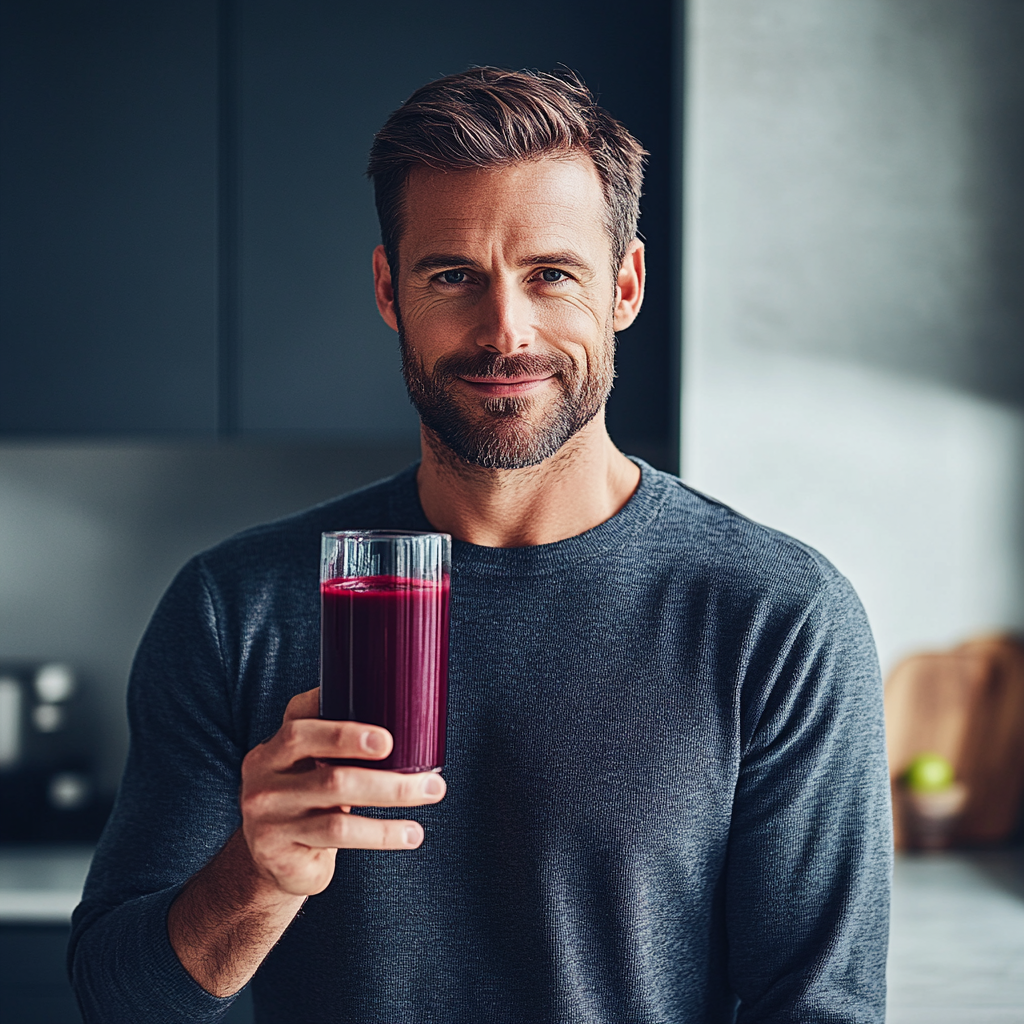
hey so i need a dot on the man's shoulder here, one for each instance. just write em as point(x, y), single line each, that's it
point(721, 545)
point(390, 503)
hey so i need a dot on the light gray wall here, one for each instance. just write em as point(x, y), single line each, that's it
point(872, 154)
point(854, 352)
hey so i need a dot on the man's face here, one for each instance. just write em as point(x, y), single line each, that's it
point(506, 307)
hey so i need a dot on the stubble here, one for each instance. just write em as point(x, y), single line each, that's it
point(507, 432)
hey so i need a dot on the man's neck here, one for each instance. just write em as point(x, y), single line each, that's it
point(585, 483)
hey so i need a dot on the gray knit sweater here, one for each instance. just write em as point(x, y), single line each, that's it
point(667, 791)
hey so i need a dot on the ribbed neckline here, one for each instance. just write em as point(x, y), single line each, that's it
point(541, 559)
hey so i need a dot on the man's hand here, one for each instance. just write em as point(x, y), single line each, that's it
point(295, 805)
point(295, 817)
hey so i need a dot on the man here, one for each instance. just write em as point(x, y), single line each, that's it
point(666, 785)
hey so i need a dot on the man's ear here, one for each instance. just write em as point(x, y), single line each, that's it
point(629, 286)
point(384, 289)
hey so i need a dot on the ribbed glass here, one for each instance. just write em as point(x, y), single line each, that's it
point(384, 639)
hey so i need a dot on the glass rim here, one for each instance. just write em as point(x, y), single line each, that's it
point(383, 534)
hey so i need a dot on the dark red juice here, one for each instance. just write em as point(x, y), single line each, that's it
point(384, 660)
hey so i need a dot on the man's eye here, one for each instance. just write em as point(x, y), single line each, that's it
point(453, 277)
point(552, 276)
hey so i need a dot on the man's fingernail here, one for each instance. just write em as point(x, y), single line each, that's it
point(433, 786)
point(373, 742)
point(412, 836)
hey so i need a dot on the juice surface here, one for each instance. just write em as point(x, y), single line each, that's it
point(384, 660)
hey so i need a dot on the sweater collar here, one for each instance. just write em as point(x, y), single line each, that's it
point(608, 537)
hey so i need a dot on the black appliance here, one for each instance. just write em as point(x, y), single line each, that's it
point(49, 790)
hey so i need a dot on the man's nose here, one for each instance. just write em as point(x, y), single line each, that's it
point(507, 323)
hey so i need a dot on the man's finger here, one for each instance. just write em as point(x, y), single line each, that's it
point(304, 705)
point(299, 739)
point(337, 830)
point(330, 786)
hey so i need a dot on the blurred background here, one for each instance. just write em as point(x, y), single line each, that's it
point(832, 343)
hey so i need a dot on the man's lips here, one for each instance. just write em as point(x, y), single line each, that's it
point(496, 387)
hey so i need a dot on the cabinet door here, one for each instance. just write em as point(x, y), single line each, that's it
point(108, 267)
point(33, 978)
point(318, 78)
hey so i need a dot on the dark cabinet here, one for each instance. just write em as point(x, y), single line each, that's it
point(317, 79)
point(108, 217)
point(34, 986)
point(187, 227)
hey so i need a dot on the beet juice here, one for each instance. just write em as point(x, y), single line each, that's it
point(384, 660)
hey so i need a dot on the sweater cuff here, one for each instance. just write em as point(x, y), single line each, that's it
point(126, 969)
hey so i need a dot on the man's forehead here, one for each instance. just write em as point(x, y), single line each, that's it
point(556, 199)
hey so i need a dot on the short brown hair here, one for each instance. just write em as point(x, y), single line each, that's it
point(488, 117)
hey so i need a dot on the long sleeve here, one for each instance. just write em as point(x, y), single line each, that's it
point(810, 850)
point(176, 808)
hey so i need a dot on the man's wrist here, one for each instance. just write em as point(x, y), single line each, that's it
point(227, 918)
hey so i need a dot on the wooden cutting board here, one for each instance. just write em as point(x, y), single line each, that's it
point(966, 704)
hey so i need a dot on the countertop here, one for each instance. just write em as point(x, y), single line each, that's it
point(956, 951)
point(41, 884)
point(956, 945)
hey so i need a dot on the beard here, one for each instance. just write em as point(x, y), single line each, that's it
point(504, 432)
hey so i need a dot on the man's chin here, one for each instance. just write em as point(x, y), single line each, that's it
point(466, 429)
point(502, 443)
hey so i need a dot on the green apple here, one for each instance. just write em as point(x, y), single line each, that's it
point(928, 773)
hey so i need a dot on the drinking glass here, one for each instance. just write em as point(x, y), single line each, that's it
point(384, 639)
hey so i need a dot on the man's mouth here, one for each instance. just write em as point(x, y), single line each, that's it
point(500, 387)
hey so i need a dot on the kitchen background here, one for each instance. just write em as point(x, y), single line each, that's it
point(190, 339)
point(832, 341)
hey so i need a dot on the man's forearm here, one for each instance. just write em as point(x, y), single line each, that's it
point(227, 919)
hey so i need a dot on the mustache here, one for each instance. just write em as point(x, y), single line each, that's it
point(494, 364)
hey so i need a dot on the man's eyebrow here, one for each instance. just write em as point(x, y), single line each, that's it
point(448, 260)
point(441, 261)
point(558, 259)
